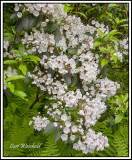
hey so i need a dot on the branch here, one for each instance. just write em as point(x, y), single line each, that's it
point(11, 43)
point(35, 101)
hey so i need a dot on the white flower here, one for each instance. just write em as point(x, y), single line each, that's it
point(19, 14)
point(72, 137)
point(93, 22)
point(75, 146)
point(66, 130)
point(68, 124)
point(82, 147)
point(74, 129)
point(16, 8)
point(30, 122)
point(64, 117)
point(81, 112)
point(36, 13)
point(64, 137)
point(55, 124)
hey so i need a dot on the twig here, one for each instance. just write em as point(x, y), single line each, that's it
point(35, 101)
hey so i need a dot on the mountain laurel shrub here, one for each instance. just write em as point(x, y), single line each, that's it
point(64, 61)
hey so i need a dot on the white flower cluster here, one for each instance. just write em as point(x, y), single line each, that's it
point(39, 123)
point(106, 88)
point(90, 142)
point(8, 73)
point(87, 142)
point(78, 109)
point(123, 49)
point(55, 9)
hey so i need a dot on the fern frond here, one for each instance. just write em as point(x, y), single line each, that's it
point(121, 141)
point(50, 149)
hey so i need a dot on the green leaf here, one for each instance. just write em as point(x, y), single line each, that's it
point(51, 27)
point(19, 26)
point(97, 43)
point(8, 34)
point(119, 98)
point(67, 78)
point(104, 62)
point(25, 22)
point(21, 48)
point(122, 20)
point(15, 77)
point(121, 109)
point(10, 86)
point(10, 62)
point(23, 68)
point(66, 8)
point(82, 14)
point(72, 50)
point(110, 14)
point(112, 101)
point(101, 32)
point(39, 21)
point(14, 15)
point(32, 22)
point(57, 117)
point(124, 25)
point(113, 32)
point(115, 58)
point(74, 81)
point(16, 51)
point(9, 38)
point(20, 94)
point(112, 5)
point(117, 20)
point(57, 35)
point(32, 57)
point(49, 128)
point(125, 98)
point(126, 105)
point(102, 49)
point(57, 136)
point(119, 117)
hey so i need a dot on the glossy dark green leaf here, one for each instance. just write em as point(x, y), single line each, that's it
point(25, 22)
point(49, 128)
point(74, 81)
point(32, 22)
point(51, 27)
point(67, 78)
point(57, 35)
point(19, 26)
point(72, 50)
point(57, 136)
point(38, 21)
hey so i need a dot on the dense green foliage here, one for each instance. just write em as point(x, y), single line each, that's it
point(20, 95)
